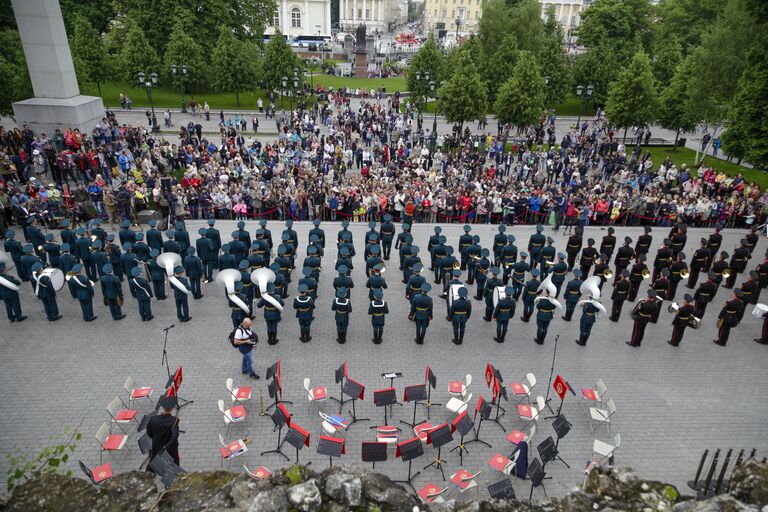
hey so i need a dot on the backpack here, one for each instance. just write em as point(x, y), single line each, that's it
point(232, 337)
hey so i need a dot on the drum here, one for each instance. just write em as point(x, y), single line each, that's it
point(498, 294)
point(56, 276)
point(760, 311)
point(453, 293)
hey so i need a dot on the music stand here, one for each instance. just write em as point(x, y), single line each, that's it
point(502, 490)
point(392, 376)
point(551, 372)
point(332, 447)
point(279, 418)
point(499, 392)
point(355, 391)
point(497, 378)
point(373, 452)
point(339, 375)
point(163, 466)
point(537, 475)
point(484, 408)
point(172, 386)
point(407, 451)
point(298, 438)
point(275, 388)
point(562, 426)
point(414, 394)
point(561, 386)
point(438, 437)
point(384, 398)
point(431, 380)
point(463, 424)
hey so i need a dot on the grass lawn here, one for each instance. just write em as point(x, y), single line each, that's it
point(571, 108)
point(686, 156)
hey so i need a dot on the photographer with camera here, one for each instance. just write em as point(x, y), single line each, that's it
point(244, 339)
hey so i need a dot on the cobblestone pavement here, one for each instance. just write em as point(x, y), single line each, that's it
point(672, 403)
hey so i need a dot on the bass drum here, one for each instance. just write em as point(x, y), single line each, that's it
point(498, 294)
point(453, 293)
point(56, 276)
point(760, 311)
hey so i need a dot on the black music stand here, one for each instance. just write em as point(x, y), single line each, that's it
point(279, 419)
point(438, 437)
point(562, 400)
point(164, 467)
point(392, 376)
point(384, 398)
point(407, 451)
point(373, 452)
point(484, 408)
point(498, 377)
point(354, 390)
point(431, 380)
point(536, 475)
point(463, 424)
point(174, 381)
point(275, 387)
point(502, 490)
point(496, 402)
point(562, 426)
point(298, 438)
point(332, 447)
point(551, 373)
point(339, 375)
point(414, 394)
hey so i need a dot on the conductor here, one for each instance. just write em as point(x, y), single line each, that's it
point(163, 429)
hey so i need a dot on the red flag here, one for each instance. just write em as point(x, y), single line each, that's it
point(488, 374)
point(560, 387)
point(496, 388)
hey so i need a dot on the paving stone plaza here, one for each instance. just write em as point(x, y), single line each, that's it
point(672, 403)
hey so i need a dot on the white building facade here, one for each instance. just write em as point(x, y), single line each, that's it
point(302, 17)
point(374, 14)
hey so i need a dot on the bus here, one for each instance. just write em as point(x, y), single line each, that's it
point(312, 42)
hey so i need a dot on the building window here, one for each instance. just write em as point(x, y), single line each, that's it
point(367, 14)
point(435, 13)
point(445, 13)
point(453, 13)
point(296, 17)
point(477, 15)
point(276, 19)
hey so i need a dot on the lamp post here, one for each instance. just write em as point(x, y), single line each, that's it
point(433, 91)
point(284, 82)
point(458, 24)
point(426, 82)
point(583, 93)
point(180, 73)
point(295, 88)
point(311, 76)
point(149, 84)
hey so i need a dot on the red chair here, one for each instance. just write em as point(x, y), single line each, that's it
point(109, 442)
point(136, 393)
point(121, 414)
point(97, 474)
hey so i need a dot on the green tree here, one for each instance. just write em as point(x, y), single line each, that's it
point(633, 97)
point(494, 25)
point(527, 25)
point(597, 67)
point(667, 53)
point(278, 62)
point(674, 105)
point(521, 99)
point(136, 54)
point(686, 20)
point(183, 49)
point(463, 97)
point(555, 65)
point(498, 68)
point(15, 84)
point(429, 59)
point(88, 53)
point(621, 25)
point(99, 13)
point(231, 68)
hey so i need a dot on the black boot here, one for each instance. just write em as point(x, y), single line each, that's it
point(539, 339)
point(581, 341)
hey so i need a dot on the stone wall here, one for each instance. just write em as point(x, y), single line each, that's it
point(346, 488)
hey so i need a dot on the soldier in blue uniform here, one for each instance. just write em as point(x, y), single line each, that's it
point(81, 289)
point(141, 248)
point(155, 236)
point(66, 259)
point(126, 234)
point(66, 235)
point(474, 253)
point(36, 237)
point(127, 259)
point(238, 314)
point(266, 234)
point(115, 255)
point(415, 283)
point(572, 294)
point(535, 246)
point(378, 310)
point(313, 262)
point(143, 293)
point(481, 273)
point(548, 254)
point(559, 271)
point(455, 280)
point(205, 253)
point(226, 260)
point(375, 281)
point(588, 317)
point(372, 236)
point(238, 249)
point(499, 241)
point(342, 233)
point(519, 269)
point(314, 241)
point(28, 260)
point(241, 234)
point(279, 284)
point(465, 241)
point(156, 275)
point(112, 291)
point(193, 266)
point(343, 281)
point(83, 250)
point(437, 253)
point(447, 265)
point(529, 294)
point(508, 257)
point(215, 237)
point(373, 260)
point(10, 296)
point(346, 243)
point(310, 283)
point(171, 245)
point(410, 261)
point(317, 231)
point(304, 305)
point(386, 234)
point(45, 292)
point(546, 309)
point(502, 313)
point(343, 307)
point(14, 249)
point(98, 256)
point(180, 294)
point(404, 235)
point(421, 311)
point(490, 285)
point(458, 314)
point(285, 268)
point(291, 238)
point(52, 251)
point(271, 313)
point(289, 251)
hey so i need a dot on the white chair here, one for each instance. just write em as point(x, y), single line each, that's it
point(595, 394)
point(458, 405)
point(229, 451)
point(316, 394)
point(120, 413)
point(516, 436)
point(430, 493)
point(522, 390)
point(136, 393)
point(531, 413)
point(465, 480)
point(605, 450)
point(602, 416)
point(109, 442)
point(234, 414)
point(257, 474)
point(457, 388)
point(330, 426)
point(241, 394)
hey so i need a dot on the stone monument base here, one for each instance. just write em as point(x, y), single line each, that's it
point(360, 68)
point(44, 115)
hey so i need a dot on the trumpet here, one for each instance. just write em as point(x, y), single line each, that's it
point(684, 273)
point(457, 265)
point(646, 273)
point(726, 273)
point(608, 274)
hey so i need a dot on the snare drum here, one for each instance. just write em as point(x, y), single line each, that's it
point(760, 311)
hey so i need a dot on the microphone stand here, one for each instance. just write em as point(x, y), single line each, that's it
point(168, 368)
point(551, 372)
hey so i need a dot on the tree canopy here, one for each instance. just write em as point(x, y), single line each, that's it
point(463, 98)
point(521, 99)
point(633, 96)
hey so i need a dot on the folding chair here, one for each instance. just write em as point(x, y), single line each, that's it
point(97, 474)
point(332, 425)
point(522, 390)
point(464, 481)
point(241, 394)
point(229, 451)
point(503, 464)
point(531, 412)
point(458, 405)
point(517, 436)
point(595, 394)
point(120, 413)
point(457, 388)
point(431, 493)
point(257, 474)
point(234, 414)
point(109, 442)
point(605, 450)
point(386, 434)
point(316, 394)
point(136, 393)
point(602, 416)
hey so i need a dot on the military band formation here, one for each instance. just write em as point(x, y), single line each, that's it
point(254, 275)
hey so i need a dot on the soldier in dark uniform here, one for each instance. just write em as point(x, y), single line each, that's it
point(115, 256)
point(763, 339)
point(508, 257)
point(421, 311)
point(644, 241)
point(751, 239)
point(642, 316)
point(180, 294)
point(45, 292)
point(455, 280)
point(344, 259)
point(372, 236)
point(548, 254)
point(762, 272)
point(313, 262)
point(205, 253)
point(241, 234)
point(290, 239)
point(271, 313)
point(499, 241)
point(529, 294)
point(636, 276)
point(705, 294)
point(309, 282)
point(719, 267)
point(215, 237)
point(375, 259)
point(386, 235)
point(157, 275)
point(518, 275)
point(415, 284)
point(588, 258)
point(713, 244)
point(226, 260)
point(304, 306)
point(279, 284)
point(698, 262)
point(344, 229)
point(10, 296)
point(481, 273)
point(66, 259)
point(170, 245)
point(729, 317)
point(378, 310)
point(28, 260)
point(155, 236)
point(620, 293)
point(66, 235)
point(346, 242)
point(182, 238)
point(343, 281)
point(502, 313)
point(679, 238)
point(317, 231)
point(573, 248)
point(377, 282)
point(448, 265)
point(458, 314)
point(491, 285)
point(608, 245)
point(535, 245)
point(99, 257)
point(546, 311)
point(342, 307)
point(572, 294)
point(52, 251)
point(465, 241)
point(474, 253)
point(126, 234)
point(112, 291)
point(681, 320)
point(163, 429)
point(314, 241)
point(140, 248)
point(438, 253)
point(249, 287)
point(434, 240)
point(266, 234)
point(193, 266)
point(624, 255)
point(143, 293)
point(36, 237)
point(400, 240)
point(589, 312)
point(14, 249)
point(559, 271)
point(237, 249)
point(750, 290)
point(127, 259)
point(238, 314)
point(602, 269)
point(676, 269)
point(661, 287)
point(738, 263)
point(83, 249)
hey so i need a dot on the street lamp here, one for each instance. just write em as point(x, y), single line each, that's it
point(284, 82)
point(426, 77)
point(182, 74)
point(308, 62)
point(458, 24)
point(433, 92)
point(583, 93)
point(149, 84)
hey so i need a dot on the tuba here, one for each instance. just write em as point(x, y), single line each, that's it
point(726, 273)
point(262, 277)
point(228, 277)
point(3, 281)
point(169, 261)
point(684, 273)
point(591, 287)
point(608, 274)
point(646, 273)
point(548, 286)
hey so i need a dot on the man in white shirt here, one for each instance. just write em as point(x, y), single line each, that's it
point(245, 339)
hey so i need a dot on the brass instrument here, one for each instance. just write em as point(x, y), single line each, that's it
point(646, 273)
point(635, 312)
point(608, 274)
point(726, 273)
point(684, 273)
point(457, 265)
